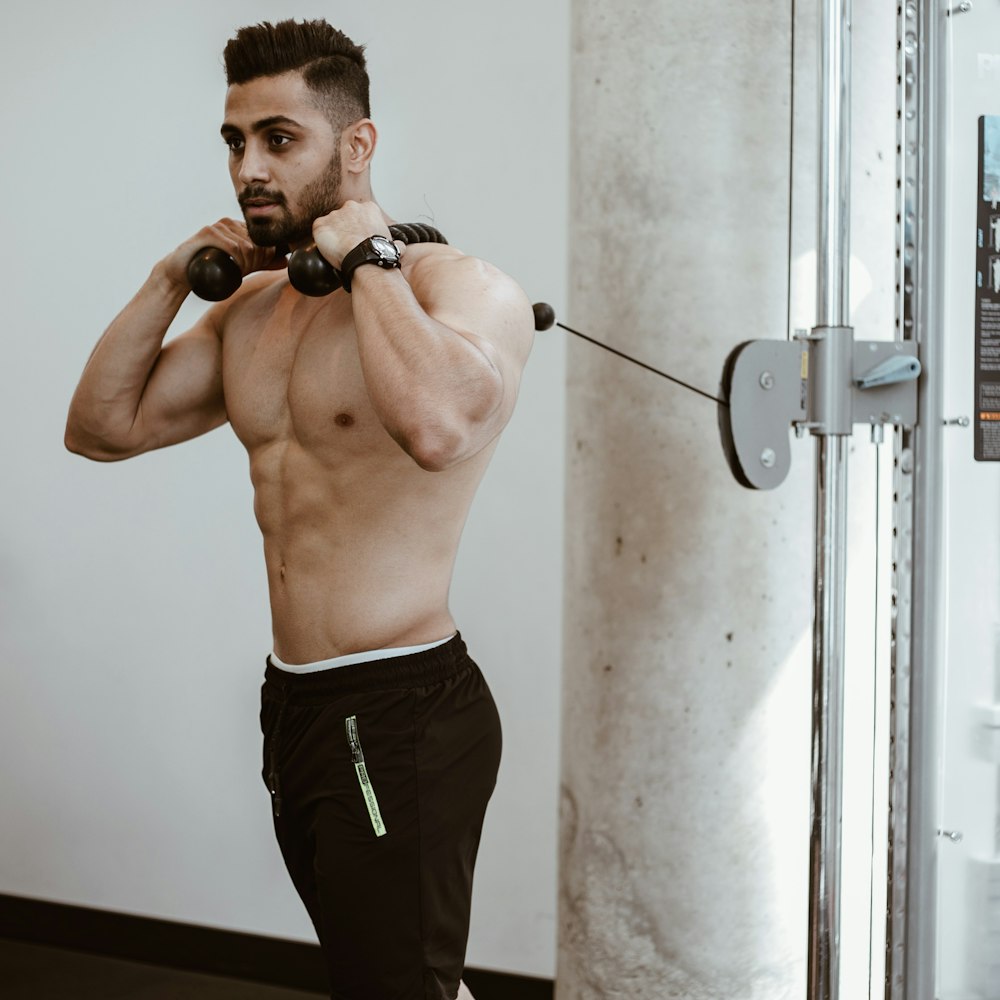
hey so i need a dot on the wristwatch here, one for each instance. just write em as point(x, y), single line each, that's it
point(375, 250)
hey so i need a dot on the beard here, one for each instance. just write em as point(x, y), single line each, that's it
point(318, 198)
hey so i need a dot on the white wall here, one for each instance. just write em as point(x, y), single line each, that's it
point(133, 612)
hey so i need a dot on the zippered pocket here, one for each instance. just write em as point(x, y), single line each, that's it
point(358, 758)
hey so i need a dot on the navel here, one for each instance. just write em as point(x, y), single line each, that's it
point(344, 420)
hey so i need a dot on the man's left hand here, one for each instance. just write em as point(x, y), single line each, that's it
point(338, 233)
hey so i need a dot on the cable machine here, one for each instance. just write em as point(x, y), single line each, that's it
point(824, 383)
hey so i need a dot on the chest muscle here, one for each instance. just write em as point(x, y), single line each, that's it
point(292, 372)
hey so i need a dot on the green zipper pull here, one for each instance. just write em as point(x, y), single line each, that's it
point(358, 758)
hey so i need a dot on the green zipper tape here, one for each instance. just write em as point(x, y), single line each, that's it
point(358, 757)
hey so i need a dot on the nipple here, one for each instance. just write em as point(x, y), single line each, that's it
point(344, 420)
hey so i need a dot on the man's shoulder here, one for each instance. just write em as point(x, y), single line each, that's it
point(471, 294)
point(440, 269)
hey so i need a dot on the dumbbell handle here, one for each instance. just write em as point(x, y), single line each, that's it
point(214, 275)
point(312, 274)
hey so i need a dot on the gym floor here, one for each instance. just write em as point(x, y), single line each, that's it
point(38, 972)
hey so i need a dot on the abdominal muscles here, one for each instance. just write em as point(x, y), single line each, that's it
point(359, 552)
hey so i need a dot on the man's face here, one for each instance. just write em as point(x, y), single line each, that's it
point(284, 158)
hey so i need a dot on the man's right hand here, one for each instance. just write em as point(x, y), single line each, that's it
point(228, 235)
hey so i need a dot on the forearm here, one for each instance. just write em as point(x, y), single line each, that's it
point(432, 387)
point(107, 398)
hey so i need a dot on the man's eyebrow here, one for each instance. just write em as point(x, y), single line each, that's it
point(259, 126)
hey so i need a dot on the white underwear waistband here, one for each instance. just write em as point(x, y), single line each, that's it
point(343, 661)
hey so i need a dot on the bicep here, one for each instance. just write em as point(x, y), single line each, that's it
point(183, 396)
point(489, 310)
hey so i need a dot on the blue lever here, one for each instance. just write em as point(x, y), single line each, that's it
point(902, 368)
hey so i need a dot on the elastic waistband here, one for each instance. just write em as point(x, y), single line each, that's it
point(366, 656)
point(430, 666)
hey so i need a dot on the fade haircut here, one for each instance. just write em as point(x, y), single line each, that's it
point(332, 66)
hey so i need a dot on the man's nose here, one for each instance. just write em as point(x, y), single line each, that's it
point(253, 166)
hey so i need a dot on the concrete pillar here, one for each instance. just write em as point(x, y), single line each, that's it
point(684, 825)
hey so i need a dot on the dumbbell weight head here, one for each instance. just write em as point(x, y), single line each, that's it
point(310, 273)
point(213, 274)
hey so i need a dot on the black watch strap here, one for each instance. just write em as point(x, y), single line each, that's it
point(377, 249)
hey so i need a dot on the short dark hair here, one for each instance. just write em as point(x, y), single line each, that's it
point(332, 66)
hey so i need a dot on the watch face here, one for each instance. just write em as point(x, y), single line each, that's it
point(385, 249)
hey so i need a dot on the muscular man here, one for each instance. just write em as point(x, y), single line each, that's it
point(369, 417)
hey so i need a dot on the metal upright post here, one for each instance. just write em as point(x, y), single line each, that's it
point(832, 307)
point(929, 250)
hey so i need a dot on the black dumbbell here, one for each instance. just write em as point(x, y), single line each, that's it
point(214, 275)
point(310, 273)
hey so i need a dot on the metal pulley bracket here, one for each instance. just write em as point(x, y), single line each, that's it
point(823, 381)
point(765, 382)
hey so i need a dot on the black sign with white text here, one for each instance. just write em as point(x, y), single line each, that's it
point(987, 401)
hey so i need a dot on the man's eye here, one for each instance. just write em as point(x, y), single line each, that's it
point(280, 140)
point(234, 143)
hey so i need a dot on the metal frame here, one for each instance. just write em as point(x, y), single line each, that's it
point(909, 231)
point(830, 575)
point(911, 925)
point(911, 919)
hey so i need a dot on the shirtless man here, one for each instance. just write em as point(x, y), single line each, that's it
point(369, 417)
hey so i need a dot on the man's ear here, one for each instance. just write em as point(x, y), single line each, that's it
point(359, 141)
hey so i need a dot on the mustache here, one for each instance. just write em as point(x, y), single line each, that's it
point(260, 194)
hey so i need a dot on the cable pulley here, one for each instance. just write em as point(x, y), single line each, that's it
point(823, 382)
